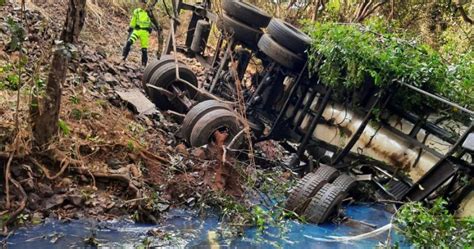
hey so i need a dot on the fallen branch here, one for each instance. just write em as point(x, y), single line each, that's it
point(136, 199)
point(391, 201)
point(236, 137)
point(464, 13)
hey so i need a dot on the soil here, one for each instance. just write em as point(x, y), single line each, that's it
point(107, 161)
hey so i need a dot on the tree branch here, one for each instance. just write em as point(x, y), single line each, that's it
point(464, 15)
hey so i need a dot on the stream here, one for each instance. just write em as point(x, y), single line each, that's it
point(186, 229)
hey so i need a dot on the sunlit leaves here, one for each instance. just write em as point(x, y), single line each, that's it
point(434, 227)
point(352, 54)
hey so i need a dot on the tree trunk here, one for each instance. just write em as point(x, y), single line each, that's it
point(76, 15)
point(45, 113)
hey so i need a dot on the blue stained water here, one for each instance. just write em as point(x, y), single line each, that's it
point(185, 228)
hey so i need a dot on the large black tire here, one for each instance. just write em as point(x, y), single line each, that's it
point(196, 112)
point(212, 121)
point(301, 194)
point(327, 172)
point(164, 77)
point(324, 203)
point(152, 67)
point(279, 54)
point(246, 13)
point(241, 32)
point(289, 36)
point(345, 182)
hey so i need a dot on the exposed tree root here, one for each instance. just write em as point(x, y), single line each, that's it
point(21, 207)
point(6, 155)
point(150, 156)
point(7, 180)
point(119, 177)
point(46, 171)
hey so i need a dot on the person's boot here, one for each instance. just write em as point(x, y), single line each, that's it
point(144, 56)
point(126, 50)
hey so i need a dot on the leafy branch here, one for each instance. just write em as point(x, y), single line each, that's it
point(354, 54)
point(434, 227)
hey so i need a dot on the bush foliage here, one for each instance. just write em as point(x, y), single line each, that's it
point(349, 54)
point(434, 227)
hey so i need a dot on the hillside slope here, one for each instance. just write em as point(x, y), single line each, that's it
point(107, 161)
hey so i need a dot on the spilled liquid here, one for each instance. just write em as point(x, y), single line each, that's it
point(186, 229)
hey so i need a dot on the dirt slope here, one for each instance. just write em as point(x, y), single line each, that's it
point(107, 161)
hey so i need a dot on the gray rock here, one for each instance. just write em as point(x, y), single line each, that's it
point(76, 200)
point(54, 201)
point(16, 171)
point(28, 185)
point(109, 78)
point(34, 201)
point(45, 190)
point(162, 207)
point(114, 163)
point(138, 100)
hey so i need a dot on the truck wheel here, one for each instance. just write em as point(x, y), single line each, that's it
point(324, 203)
point(220, 119)
point(301, 194)
point(289, 36)
point(241, 32)
point(327, 172)
point(345, 182)
point(279, 54)
point(152, 67)
point(196, 112)
point(247, 13)
point(165, 77)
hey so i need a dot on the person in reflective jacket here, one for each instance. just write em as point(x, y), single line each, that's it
point(140, 28)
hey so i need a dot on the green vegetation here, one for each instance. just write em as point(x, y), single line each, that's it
point(434, 227)
point(17, 35)
point(9, 78)
point(64, 127)
point(349, 55)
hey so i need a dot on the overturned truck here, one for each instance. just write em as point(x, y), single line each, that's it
point(336, 144)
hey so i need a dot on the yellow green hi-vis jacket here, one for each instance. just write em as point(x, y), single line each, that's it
point(141, 25)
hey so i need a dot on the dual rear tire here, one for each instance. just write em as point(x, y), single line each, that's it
point(207, 117)
point(285, 44)
point(318, 195)
point(162, 74)
point(244, 22)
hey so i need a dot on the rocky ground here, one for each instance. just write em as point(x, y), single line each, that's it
point(114, 162)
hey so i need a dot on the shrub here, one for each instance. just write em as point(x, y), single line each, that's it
point(434, 227)
point(347, 55)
